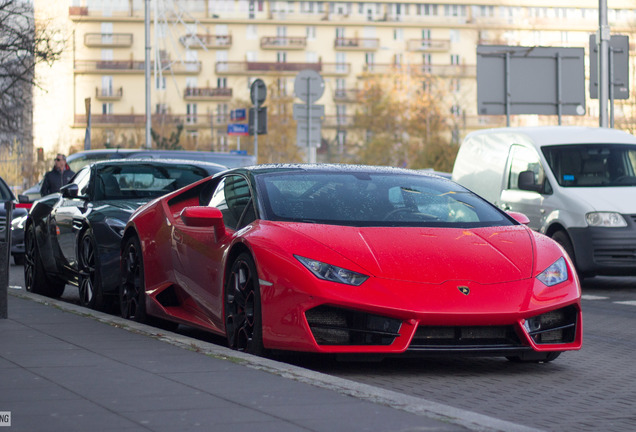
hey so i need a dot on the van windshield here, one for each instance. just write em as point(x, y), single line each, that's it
point(592, 165)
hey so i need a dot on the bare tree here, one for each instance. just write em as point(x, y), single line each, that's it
point(23, 44)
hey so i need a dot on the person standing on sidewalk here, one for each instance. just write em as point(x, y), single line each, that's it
point(56, 178)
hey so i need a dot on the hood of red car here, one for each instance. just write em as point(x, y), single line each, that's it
point(431, 255)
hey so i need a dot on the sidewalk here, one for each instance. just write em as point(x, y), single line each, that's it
point(66, 368)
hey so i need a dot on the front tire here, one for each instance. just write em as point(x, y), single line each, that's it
point(132, 295)
point(89, 278)
point(35, 279)
point(243, 318)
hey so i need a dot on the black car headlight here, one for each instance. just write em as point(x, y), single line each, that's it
point(332, 273)
point(116, 225)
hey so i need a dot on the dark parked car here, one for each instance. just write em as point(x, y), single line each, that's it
point(80, 159)
point(17, 243)
point(73, 237)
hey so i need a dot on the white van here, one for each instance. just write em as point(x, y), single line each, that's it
point(575, 184)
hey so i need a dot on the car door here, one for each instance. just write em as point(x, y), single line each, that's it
point(66, 220)
point(199, 255)
point(531, 203)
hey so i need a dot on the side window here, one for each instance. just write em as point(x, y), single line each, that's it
point(524, 159)
point(81, 180)
point(232, 196)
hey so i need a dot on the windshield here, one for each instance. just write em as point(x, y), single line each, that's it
point(373, 199)
point(129, 181)
point(592, 165)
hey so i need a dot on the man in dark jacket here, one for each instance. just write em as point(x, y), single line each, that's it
point(56, 178)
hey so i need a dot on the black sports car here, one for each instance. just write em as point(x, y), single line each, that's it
point(73, 237)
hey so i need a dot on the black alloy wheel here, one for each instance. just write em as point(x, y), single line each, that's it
point(35, 279)
point(89, 277)
point(243, 319)
point(132, 296)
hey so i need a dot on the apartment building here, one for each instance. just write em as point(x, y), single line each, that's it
point(206, 53)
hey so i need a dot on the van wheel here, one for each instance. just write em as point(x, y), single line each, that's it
point(562, 238)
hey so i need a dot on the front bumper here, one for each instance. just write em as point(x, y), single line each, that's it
point(606, 251)
point(394, 317)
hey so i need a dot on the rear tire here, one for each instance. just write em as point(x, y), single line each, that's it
point(35, 278)
point(132, 294)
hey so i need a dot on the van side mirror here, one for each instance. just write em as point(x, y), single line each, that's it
point(526, 181)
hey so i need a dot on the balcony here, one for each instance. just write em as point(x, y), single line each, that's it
point(133, 67)
point(275, 68)
point(138, 120)
point(283, 43)
point(428, 45)
point(465, 71)
point(108, 94)
point(204, 41)
point(108, 40)
point(207, 93)
point(356, 44)
point(346, 95)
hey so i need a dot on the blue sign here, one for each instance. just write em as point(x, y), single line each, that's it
point(238, 129)
point(238, 114)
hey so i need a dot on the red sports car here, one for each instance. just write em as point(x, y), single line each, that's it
point(349, 260)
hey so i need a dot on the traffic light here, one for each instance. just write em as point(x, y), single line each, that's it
point(40, 152)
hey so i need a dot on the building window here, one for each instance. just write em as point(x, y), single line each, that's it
point(310, 32)
point(221, 82)
point(191, 113)
point(160, 82)
point(160, 108)
point(454, 59)
point(107, 108)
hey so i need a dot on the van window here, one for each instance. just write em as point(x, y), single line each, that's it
point(592, 165)
point(524, 159)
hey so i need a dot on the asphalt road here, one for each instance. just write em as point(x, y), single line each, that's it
point(590, 390)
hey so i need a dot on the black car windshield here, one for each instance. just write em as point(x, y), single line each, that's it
point(373, 199)
point(592, 165)
point(141, 180)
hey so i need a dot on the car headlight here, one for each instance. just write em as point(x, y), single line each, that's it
point(116, 225)
point(332, 273)
point(556, 273)
point(605, 219)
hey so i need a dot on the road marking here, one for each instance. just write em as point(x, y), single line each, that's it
point(628, 302)
point(593, 297)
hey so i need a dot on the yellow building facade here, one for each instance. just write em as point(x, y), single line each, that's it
point(206, 53)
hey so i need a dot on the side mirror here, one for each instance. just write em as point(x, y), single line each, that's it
point(70, 190)
point(23, 199)
point(526, 181)
point(204, 217)
point(519, 217)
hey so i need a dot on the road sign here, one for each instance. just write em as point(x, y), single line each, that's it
point(238, 129)
point(530, 80)
point(316, 112)
point(309, 86)
point(619, 66)
point(262, 121)
point(314, 134)
point(238, 114)
point(258, 92)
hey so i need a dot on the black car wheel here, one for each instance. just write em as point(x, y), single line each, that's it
point(243, 319)
point(132, 296)
point(89, 278)
point(35, 279)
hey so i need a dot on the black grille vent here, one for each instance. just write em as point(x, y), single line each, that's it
point(465, 337)
point(336, 326)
